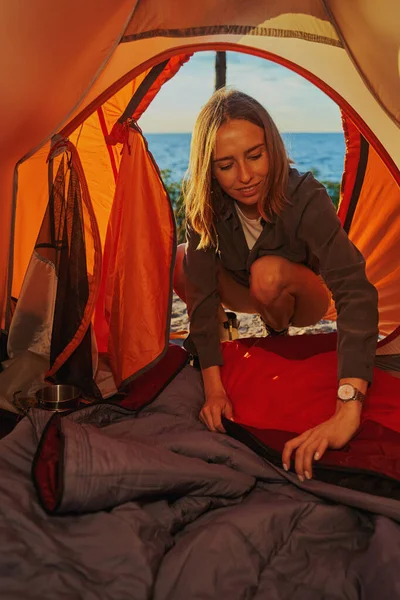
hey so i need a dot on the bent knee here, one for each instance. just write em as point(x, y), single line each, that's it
point(269, 276)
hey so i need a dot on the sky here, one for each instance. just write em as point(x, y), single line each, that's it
point(295, 104)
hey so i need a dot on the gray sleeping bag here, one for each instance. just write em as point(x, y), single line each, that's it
point(152, 505)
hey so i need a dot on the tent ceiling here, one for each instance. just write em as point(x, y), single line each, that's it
point(50, 55)
point(287, 17)
point(370, 31)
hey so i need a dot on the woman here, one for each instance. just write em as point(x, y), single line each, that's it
point(262, 238)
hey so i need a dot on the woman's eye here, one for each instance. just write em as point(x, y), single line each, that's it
point(255, 156)
point(225, 167)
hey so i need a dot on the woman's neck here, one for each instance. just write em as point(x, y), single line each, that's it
point(251, 212)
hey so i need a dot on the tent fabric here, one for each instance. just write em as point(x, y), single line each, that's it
point(54, 312)
point(369, 189)
point(78, 277)
point(374, 230)
point(283, 19)
point(133, 312)
point(172, 67)
point(47, 70)
point(377, 67)
point(91, 139)
point(355, 159)
point(145, 389)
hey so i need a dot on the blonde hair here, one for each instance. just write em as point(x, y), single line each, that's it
point(202, 193)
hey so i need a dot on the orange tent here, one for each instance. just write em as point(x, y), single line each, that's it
point(75, 83)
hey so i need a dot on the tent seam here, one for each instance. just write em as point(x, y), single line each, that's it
point(103, 126)
point(358, 183)
point(233, 29)
point(10, 271)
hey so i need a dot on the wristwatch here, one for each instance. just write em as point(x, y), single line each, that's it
point(347, 392)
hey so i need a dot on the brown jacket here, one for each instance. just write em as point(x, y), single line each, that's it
point(308, 232)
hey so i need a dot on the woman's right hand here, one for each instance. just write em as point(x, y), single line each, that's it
point(216, 405)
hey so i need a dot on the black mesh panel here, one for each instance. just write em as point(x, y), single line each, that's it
point(62, 240)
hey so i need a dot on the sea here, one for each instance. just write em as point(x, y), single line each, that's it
point(323, 153)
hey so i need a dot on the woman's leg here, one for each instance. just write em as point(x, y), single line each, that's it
point(280, 291)
point(287, 292)
point(179, 280)
point(179, 276)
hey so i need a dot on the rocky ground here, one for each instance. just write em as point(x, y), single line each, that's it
point(250, 325)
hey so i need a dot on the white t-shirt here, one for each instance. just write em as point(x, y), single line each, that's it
point(251, 227)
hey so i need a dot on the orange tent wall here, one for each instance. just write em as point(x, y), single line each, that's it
point(33, 192)
point(135, 192)
point(134, 305)
point(99, 160)
point(47, 70)
point(375, 231)
point(375, 225)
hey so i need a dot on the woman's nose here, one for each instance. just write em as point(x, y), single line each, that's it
point(245, 173)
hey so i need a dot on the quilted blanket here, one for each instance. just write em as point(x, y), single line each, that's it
point(112, 504)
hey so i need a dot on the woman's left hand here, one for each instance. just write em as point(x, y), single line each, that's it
point(333, 433)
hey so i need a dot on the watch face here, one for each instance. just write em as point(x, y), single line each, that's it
point(346, 392)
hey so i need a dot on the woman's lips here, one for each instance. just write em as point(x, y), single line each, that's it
point(249, 190)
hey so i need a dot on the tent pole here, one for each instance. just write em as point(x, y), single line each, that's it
point(220, 70)
point(142, 90)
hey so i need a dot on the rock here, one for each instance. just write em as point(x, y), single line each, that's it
point(249, 325)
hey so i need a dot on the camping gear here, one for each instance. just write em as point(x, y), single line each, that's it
point(229, 329)
point(58, 397)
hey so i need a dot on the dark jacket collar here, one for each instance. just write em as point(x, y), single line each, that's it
point(228, 211)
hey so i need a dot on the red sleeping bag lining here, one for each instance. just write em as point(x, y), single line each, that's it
point(280, 387)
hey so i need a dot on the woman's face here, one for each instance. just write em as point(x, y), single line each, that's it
point(240, 163)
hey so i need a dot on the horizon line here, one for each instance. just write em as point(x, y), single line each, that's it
point(282, 132)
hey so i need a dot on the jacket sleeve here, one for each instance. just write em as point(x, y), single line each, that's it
point(200, 268)
point(342, 267)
